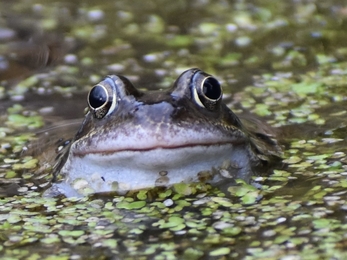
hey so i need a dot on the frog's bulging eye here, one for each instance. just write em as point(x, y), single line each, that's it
point(211, 88)
point(100, 99)
point(208, 92)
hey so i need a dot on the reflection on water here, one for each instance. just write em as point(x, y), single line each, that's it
point(283, 62)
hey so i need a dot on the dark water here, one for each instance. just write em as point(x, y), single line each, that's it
point(282, 62)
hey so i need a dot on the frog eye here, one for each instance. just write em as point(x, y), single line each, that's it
point(208, 92)
point(101, 100)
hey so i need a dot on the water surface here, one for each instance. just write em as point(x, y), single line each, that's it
point(283, 62)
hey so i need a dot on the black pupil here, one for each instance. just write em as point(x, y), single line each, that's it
point(211, 88)
point(97, 97)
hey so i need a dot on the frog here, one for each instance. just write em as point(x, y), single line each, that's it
point(132, 139)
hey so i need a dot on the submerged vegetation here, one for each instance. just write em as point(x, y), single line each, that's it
point(284, 62)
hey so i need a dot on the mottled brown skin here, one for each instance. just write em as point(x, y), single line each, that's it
point(158, 114)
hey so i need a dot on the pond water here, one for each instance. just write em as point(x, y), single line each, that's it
point(281, 62)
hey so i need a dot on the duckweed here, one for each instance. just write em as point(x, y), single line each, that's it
point(292, 212)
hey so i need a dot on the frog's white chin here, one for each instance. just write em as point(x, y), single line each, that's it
point(133, 170)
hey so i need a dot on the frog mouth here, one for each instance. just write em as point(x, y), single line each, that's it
point(163, 147)
point(162, 137)
point(159, 159)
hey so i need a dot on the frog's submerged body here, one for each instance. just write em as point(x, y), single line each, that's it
point(132, 140)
